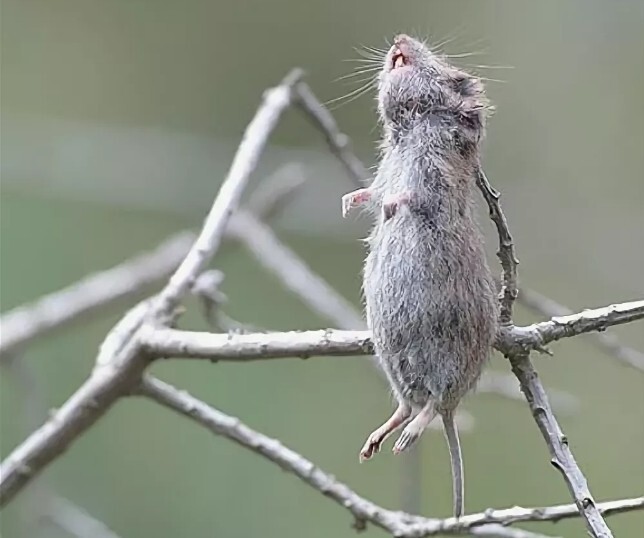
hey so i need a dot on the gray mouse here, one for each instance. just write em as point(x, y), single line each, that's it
point(430, 299)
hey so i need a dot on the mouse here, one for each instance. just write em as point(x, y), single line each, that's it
point(430, 299)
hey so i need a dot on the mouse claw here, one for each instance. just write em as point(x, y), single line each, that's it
point(346, 205)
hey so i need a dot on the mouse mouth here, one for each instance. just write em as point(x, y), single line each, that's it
point(398, 59)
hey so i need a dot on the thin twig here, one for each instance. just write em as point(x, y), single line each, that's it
point(534, 337)
point(276, 101)
point(338, 142)
point(608, 342)
point(562, 457)
point(294, 273)
point(399, 524)
point(506, 253)
point(57, 310)
point(46, 503)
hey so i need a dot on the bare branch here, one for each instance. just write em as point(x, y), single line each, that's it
point(398, 524)
point(254, 346)
point(305, 344)
point(609, 343)
point(94, 292)
point(537, 335)
point(46, 503)
point(293, 272)
point(562, 458)
point(76, 415)
point(506, 253)
point(338, 142)
point(276, 101)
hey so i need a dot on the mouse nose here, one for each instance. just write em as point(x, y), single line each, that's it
point(400, 39)
point(403, 45)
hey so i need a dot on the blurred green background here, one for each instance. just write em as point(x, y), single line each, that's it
point(119, 120)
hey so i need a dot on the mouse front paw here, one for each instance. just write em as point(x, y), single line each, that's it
point(354, 199)
point(392, 204)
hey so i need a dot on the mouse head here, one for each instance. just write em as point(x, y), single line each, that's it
point(414, 83)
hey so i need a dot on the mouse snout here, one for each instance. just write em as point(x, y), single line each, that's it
point(401, 38)
point(402, 43)
point(401, 51)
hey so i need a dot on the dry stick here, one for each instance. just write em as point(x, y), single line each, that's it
point(84, 298)
point(399, 524)
point(608, 342)
point(338, 142)
point(522, 367)
point(111, 381)
point(294, 273)
point(48, 505)
point(533, 337)
point(276, 101)
point(164, 342)
point(506, 253)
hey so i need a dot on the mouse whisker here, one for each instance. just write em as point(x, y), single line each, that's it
point(366, 61)
point(483, 66)
point(370, 52)
point(358, 72)
point(352, 95)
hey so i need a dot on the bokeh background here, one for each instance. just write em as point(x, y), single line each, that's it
point(119, 121)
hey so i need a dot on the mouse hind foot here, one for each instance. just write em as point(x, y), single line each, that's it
point(374, 441)
point(415, 428)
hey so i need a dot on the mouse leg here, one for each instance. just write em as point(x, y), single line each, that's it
point(354, 199)
point(377, 437)
point(415, 428)
point(392, 203)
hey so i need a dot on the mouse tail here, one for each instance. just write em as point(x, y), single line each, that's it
point(454, 445)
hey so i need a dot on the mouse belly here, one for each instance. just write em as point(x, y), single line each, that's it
point(433, 320)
